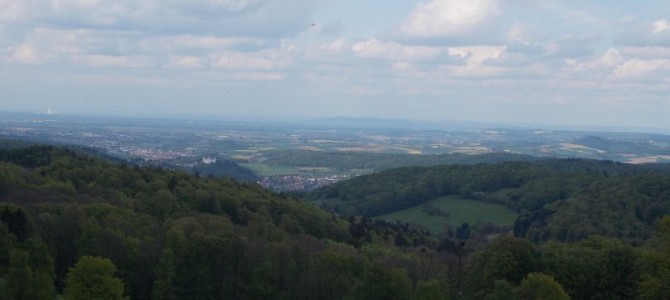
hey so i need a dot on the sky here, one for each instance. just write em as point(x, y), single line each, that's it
point(544, 62)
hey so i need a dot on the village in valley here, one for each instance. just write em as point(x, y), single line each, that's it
point(269, 150)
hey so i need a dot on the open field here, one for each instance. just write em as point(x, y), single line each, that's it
point(262, 169)
point(270, 170)
point(459, 210)
point(338, 147)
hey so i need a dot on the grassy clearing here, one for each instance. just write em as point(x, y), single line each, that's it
point(459, 210)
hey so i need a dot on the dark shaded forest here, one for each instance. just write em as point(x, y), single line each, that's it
point(225, 168)
point(81, 227)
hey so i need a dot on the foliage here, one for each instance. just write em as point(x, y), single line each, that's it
point(656, 264)
point(164, 286)
point(149, 228)
point(151, 233)
point(380, 284)
point(565, 200)
point(539, 286)
point(435, 289)
point(508, 259)
point(503, 290)
point(93, 278)
point(226, 168)
point(595, 268)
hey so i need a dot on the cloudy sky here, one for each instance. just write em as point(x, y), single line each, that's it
point(597, 62)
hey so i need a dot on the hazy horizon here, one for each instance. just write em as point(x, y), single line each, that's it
point(542, 63)
point(359, 122)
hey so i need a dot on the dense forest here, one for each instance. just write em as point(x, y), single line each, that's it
point(80, 227)
point(225, 168)
point(558, 199)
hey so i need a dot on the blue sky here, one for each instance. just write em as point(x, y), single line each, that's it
point(545, 62)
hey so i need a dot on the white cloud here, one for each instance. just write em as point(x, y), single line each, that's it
point(646, 52)
point(180, 43)
point(243, 61)
point(217, 6)
point(447, 18)
point(184, 62)
point(470, 71)
point(639, 68)
point(569, 47)
point(493, 51)
point(598, 68)
point(12, 10)
point(644, 65)
point(220, 17)
point(477, 54)
point(267, 60)
point(106, 61)
point(661, 26)
point(26, 54)
point(656, 33)
point(48, 45)
point(376, 49)
point(259, 76)
point(332, 48)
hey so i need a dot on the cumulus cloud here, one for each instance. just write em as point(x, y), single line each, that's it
point(184, 62)
point(646, 52)
point(477, 54)
point(242, 61)
point(103, 61)
point(569, 47)
point(215, 8)
point(26, 54)
point(511, 51)
point(448, 18)
point(644, 66)
point(661, 26)
point(221, 17)
point(639, 69)
point(197, 43)
point(656, 33)
point(377, 49)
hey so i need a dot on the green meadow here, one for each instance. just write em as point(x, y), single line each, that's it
point(457, 210)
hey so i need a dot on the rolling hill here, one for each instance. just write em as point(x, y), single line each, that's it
point(557, 199)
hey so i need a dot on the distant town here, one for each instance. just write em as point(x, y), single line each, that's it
point(192, 144)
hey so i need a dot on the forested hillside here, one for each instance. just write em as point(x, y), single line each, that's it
point(78, 227)
point(565, 200)
point(170, 235)
point(225, 168)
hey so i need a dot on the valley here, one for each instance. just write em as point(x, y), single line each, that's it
point(287, 155)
